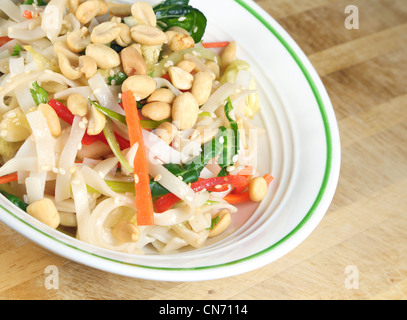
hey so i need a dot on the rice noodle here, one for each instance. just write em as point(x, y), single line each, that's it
point(103, 94)
point(219, 96)
point(11, 10)
point(67, 159)
point(44, 140)
point(52, 18)
point(19, 164)
point(159, 149)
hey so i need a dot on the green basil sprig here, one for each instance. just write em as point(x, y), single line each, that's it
point(178, 13)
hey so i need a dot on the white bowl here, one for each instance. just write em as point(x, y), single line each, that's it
point(301, 149)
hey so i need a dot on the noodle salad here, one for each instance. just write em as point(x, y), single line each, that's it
point(121, 126)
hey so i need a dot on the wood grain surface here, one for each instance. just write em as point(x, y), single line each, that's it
point(365, 73)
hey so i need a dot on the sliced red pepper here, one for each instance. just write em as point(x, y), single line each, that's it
point(166, 202)
point(66, 115)
point(235, 198)
point(4, 40)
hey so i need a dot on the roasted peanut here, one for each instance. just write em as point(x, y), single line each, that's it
point(179, 41)
point(78, 104)
point(126, 231)
point(162, 95)
point(87, 11)
point(214, 67)
point(148, 35)
point(105, 32)
point(228, 55)
point(157, 111)
point(73, 5)
point(180, 78)
point(166, 132)
point(185, 111)
point(222, 224)
point(141, 85)
point(88, 66)
point(124, 37)
point(53, 122)
point(97, 121)
point(120, 9)
point(144, 13)
point(202, 86)
point(68, 69)
point(132, 62)
point(103, 8)
point(186, 65)
point(78, 40)
point(45, 211)
point(105, 57)
point(258, 189)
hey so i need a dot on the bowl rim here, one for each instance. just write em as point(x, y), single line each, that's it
point(321, 202)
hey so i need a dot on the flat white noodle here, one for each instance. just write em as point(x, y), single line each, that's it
point(219, 96)
point(174, 216)
point(44, 140)
point(52, 18)
point(11, 10)
point(103, 94)
point(67, 159)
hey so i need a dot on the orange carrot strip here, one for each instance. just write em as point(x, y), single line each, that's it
point(9, 178)
point(219, 44)
point(27, 14)
point(144, 202)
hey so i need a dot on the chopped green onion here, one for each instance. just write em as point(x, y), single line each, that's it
point(38, 94)
point(117, 79)
point(37, 2)
point(145, 124)
point(114, 145)
point(110, 113)
point(214, 222)
point(121, 186)
point(205, 114)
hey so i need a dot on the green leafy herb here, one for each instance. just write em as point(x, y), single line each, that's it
point(39, 94)
point(110, 113)
point(225, 145)
point(145, 124)
point(37, 2)
point(117, 79)
point(214, 222)
point(15, 200)
point(114, 146)
point(178, 13)
point(232, 141)
point(16, 50)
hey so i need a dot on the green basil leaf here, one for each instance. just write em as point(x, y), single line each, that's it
point(178, 13)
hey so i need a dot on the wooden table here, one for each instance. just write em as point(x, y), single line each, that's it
point(364, 231)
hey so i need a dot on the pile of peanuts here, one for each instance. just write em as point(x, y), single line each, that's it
point(84, 52)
